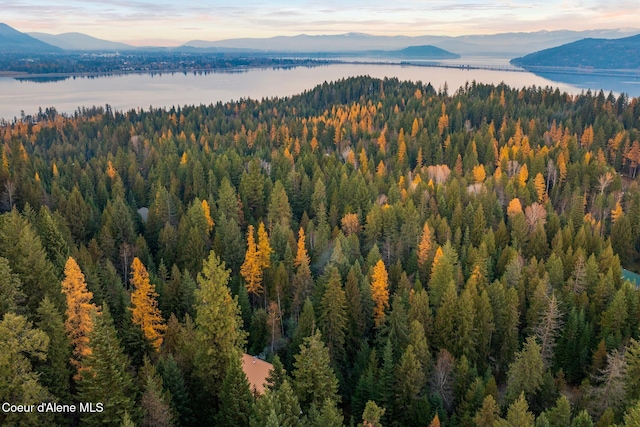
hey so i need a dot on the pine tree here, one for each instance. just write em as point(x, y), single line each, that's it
point(313, 379)
point(410, 379)
point(145, 311)
point(379, 291)
point(560, 415)
point(79, 313)
point(372, 415)
point(105, 375)
point(526, 372)
point(251, 269)
point(20, 344)
point(518, 415)
point(236, 400)
point(10, 294)
point(219, 332)
point(333, 317)
point(155, 403)
point(488, 414)
point(583, 419)
point(173, 383)
point(55, 372)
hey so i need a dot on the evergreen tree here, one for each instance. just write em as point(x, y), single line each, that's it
point(333, 316)
point(10, 293)
point(313, 379)
point(372, 415)
point(174, 385)
point(525, 373)
point(155, 403)
point(236, 400)
point(105, 375)
point(55, 372)
point(20, 344)
point(219, 334)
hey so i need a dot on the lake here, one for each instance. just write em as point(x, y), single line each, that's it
point(127, 91)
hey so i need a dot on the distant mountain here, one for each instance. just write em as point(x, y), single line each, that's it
point(617, 54)
point(506, 45)
point(79, 41)
point(424, 52)
point(13, 41)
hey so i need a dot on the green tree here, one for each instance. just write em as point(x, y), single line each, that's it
point(236, 400)
point(10, 294)
point(218, 324)
point(333, 317)
point(20, 344)
point(313, 378)
point(518, 415)
point(105, 374)
point(154, 402)
point(526, 371)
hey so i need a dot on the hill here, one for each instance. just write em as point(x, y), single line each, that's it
point(616, 54)
point(13, 41)
point(79, 41)
point(424, 52)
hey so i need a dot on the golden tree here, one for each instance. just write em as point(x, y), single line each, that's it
point(479, 174)
point(514, 208)
point(301, 255)
point(251, 269)
point(617, 213)
point(350, 224)
point(540, 186)
point(207, 214)
point(145, 311)
point(79, 322)
point(264, 247)
point(425, 246)
point(379, 291)
point(523, 175)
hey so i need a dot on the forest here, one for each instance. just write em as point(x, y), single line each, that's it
point(402, 255)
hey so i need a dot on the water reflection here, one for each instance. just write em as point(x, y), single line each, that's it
point(629, 83)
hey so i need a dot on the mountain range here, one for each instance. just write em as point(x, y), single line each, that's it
point(13, 41)
point(604, 54)
point(579, 49)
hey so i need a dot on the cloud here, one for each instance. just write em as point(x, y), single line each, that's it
point(220, 19)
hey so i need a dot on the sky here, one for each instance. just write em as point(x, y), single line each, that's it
point(173, 22)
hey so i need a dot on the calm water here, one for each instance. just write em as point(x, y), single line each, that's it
point(124, 92)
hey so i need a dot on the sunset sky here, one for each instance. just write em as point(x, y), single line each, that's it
point(171, 22)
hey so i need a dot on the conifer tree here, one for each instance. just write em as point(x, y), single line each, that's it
point(236, 400)
point(333, 317)
point(105, 374)
point(526, 372)
point(145, 311)
point(154, 402)
point(55, 372)
point(314, 380)
point(379, 291)
point(251, 269)
point(219, 332)
point(174, 385)
point(10, 293)
point(79, 313)
point(488, 414)
point(20, 344)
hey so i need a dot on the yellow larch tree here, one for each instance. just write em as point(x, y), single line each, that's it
point(402, 147)
point(415, 127)
point(78, 323)
point(523, 175)
point(425, 246)
point(381, 170)
point(251, 270)
point(514, 208)
point(617, 213)
point(301, 254)
point(144, 305)
point(382, 141)
point(111, 171)
point(479, 174)
point(207, 214)
point(364, 164)
point(264, 247)
point(379, 291)
point(539, 184)
point(350, 224)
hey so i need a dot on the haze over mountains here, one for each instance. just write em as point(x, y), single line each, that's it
point(577, 49)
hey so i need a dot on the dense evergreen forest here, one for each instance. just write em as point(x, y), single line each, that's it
point(403, 256)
